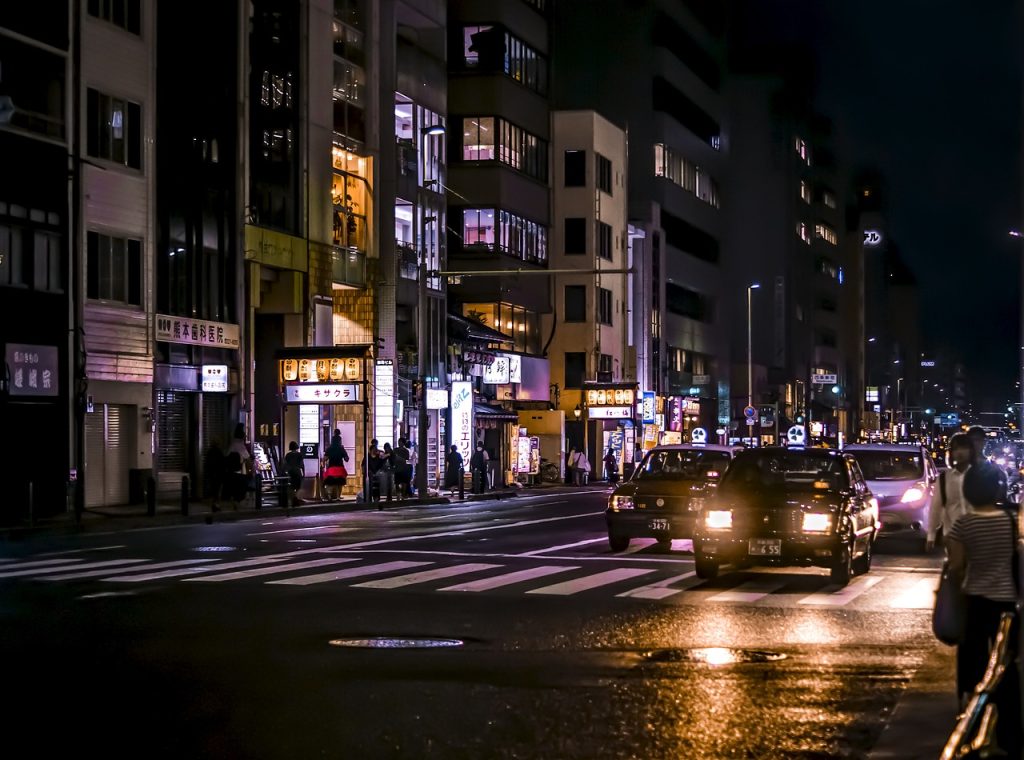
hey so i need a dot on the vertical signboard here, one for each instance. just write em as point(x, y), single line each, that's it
point(462, 419)
point(384, 402)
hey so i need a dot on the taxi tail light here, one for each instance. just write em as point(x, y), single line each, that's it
point(817, 522)
point(718, 519)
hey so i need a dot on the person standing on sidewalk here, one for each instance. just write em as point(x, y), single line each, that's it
point(478, 468)
point(403, 470)
point(981, 546)
point(581, 468)
point(237, 466)
point(386, 473)
point(570, 467)
point(453, 468)
point(948, 504)
point(611, 467)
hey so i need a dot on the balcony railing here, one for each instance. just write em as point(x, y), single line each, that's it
point(348, 267)
point(408, 260)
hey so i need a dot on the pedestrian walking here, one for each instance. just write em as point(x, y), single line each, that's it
point(570, 467)
point(371, 466)
point(403, 470)
point(982, 549)
point(976, 435)
point(237, 467)
point(386, 473)
point(581, 468)
point(453, 469)
point(294, 468)
point(611, 467)
point(478, 468)
point(213, 468)
point(335, 471)
point(948, 504)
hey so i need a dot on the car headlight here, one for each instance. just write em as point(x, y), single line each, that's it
point(622, 502)
point(915, 493)
point(817, 522)
point(718, 519)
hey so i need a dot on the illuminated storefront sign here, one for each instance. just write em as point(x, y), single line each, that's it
point(610, 412)
point(611, 397)
point(649, 407)
point(316, 370)
point(33, 370)
point(384, 401)
point(462, 419)
point(215, 378)
point(437, 398)
point(323, 393)
point(196, 332)
point(872, 238)
point(504, 370)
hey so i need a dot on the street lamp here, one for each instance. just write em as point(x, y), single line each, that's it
point(750, 344)
point(577, 412)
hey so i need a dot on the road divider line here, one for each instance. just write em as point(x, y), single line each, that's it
point(587, 582)
point(340, 575)
point(110, 563)
point(535, 552)
point(146, 566)
point(267, 559)
point(82, 551)
point(677, 584)
point(337, 528)
point(509, 579)
point(256, 572)
point(834, 596)
point(426, 576)
point(65, 563)
point(750, 591)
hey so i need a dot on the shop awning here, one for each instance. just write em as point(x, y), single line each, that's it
point(494, 414)
point(473, 329)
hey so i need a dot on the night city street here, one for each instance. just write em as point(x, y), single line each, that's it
point(215, 640)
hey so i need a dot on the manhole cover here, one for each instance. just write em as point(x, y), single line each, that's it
point(397, 642)
point(713, 655)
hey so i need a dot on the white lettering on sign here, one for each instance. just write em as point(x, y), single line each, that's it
point(197, 332)
point(462, 419)
point(872, 238)
point(384, 402)
point(322, 394)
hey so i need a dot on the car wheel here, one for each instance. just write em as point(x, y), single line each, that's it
point(862, 564)
point(706, 568)
point(664, 543)
point(618, 543)
point(842, 570)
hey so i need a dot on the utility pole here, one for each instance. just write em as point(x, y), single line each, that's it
point(422, 327)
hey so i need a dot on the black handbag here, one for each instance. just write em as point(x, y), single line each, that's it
point(949, 618)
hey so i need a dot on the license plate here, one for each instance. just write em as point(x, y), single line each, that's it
point(658, 525)
point(765, 547)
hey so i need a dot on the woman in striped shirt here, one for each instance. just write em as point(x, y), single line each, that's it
point(981, 556)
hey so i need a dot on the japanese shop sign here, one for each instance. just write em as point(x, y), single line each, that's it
point(314, 370)
point(611, 397)
point(33, 369)
point(506, 369)
point(610, 412)
point(196, 332)
point(462, 418)
point(215, 378)
point(649, 406)
point(322, 394)
point(384, 401)
point(437, 398)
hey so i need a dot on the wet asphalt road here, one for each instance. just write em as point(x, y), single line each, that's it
point(214, 641)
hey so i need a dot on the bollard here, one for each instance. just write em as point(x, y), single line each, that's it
point(257, 496)
point(184, 495)
point(462, 485)
point(282, 493)
point(151, 496)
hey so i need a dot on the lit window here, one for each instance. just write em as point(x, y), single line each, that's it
point(803, 232)
point(805, 192)
point(802, 150)
point(826, 233)
point(687, 175)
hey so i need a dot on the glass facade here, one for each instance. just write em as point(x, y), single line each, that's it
point(506, 232)
point(520, 324)
point(487, 138)
point(491, 49)
point(687, 175)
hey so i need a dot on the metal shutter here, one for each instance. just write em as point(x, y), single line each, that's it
point(172, 439)
point(95, 457)
point(120, 444)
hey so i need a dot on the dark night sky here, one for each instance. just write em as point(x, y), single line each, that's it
point(929, 91)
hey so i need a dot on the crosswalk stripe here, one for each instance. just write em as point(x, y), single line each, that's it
point(110, 563)
point(664, 589)
point(352, 572)
point(146, 566)
point(920, 596)
point(833, 596)
point(750, 591)
point(260, 571)
point(267, 559)
point(65, 563)
point(508, 579)
point(591, 581)
point(426, 576)
point(550, 549)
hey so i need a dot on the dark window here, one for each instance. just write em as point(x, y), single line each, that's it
point(684, 236)
point(49, 274)
point(604, 173)
point(827, 338)
point(12, 256)
point(668, 99)
point(825, 303)
point(604, 306)
point(114, 129)
point(575, 369)
point(604, 240)
point(575, 168)
point(123, 13)
point(687, 303)
point(604, 367)
point(491, 49)
point(669, 35)
point(114, 269)
point(575, 303)
point(575, 235)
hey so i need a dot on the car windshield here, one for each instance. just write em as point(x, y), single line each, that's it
point(687, 464)
point(890, 465)
point(790, 469)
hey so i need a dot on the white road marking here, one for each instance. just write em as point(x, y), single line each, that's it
point(340, 575)
point(508, 579)
point(920, 596)
point(426, 576)
point(750, 591)
point(664, 589)
point(833, 596)
point(498, 555)
point(335, 528)
point(81, 551)
point(273, 569)
point(68, 562)
point(267, 559)
point(587, 582)
point(62, 568)
point(635, 546)
point(535, 552)
point(146, 566)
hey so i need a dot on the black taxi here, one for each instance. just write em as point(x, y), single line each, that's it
point(665, 494)
point(789, 506)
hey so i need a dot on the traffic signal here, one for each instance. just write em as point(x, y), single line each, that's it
point(799, 419)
